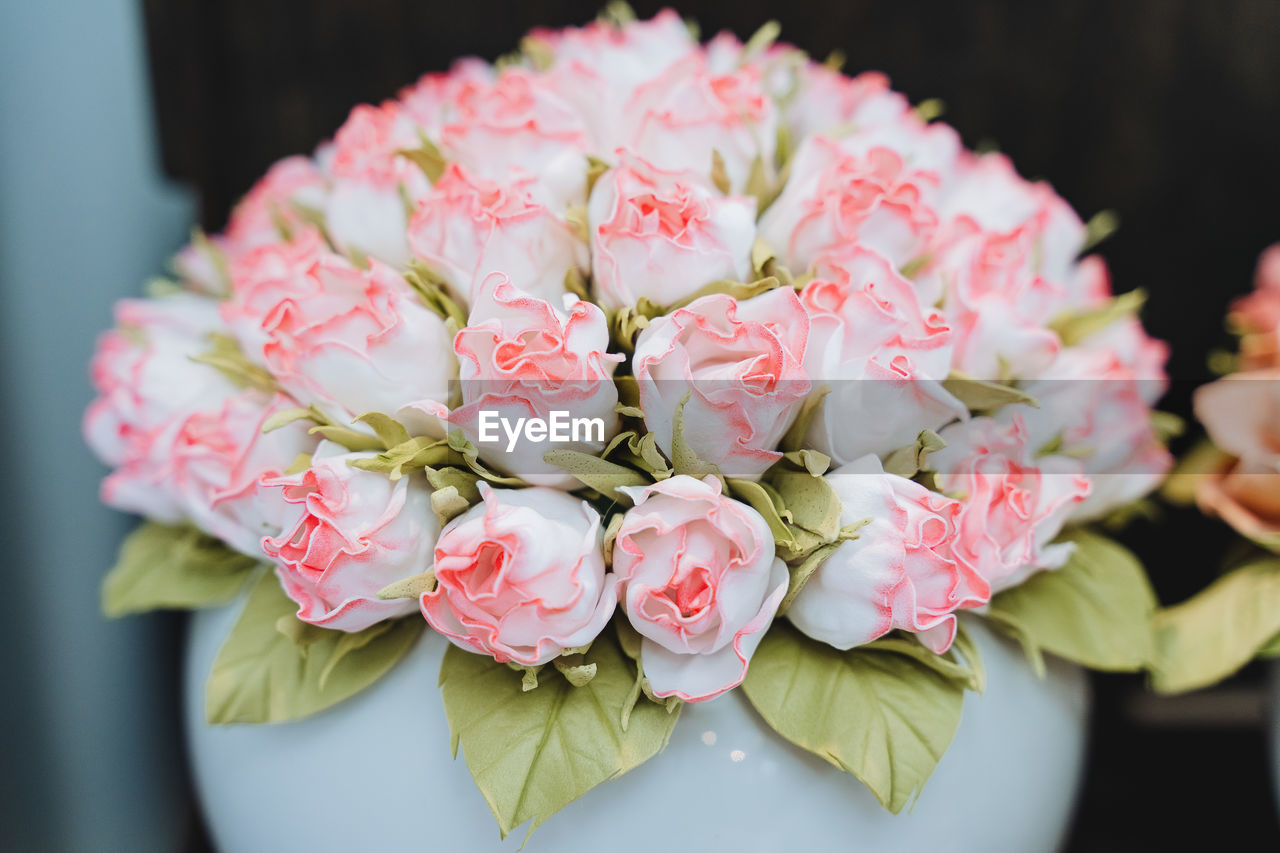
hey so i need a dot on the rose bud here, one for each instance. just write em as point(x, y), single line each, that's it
point(520, 358)
point(350, 533)
point(221, 455)
point(1014, 501)
point(468, 227)
point(699, 580)
point(901, 572)
point(740, 363)
point(148, 384)
point(664, 235)
point(521, 577)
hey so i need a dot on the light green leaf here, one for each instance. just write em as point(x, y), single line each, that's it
point(163, 566)
point(600, 474)
point(793, 440)
point(428, 158)
point(908, 461)
point(684, 459)
point(739, 290)
point(719, 174)
point(1074, 328)
point(389, 430)
point(262, 675)
point(985, 397)
point(765, 501)
point(531, 754)
point(882, 716)
point(1226, 625)
point(812, 502)
point(802, 571)
point(947, 664)
point(224, 355)
point(1201, 461)
point(1096, 610)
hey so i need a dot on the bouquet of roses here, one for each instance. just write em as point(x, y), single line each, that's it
point(1234, 474)
point(650, 370)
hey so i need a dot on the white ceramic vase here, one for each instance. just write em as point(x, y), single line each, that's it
point(375, 773)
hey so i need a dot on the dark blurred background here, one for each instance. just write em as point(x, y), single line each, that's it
point(1165, 111)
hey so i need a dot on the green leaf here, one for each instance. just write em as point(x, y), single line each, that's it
point(428, 157)
point(1096, 610)
point(224, 355)
point(884, 717)
point(531, 754)
point(1074, 328)
point(947, 664)
point(793, 440)
point(739, 290)
point(164, 566)
point(1226, 625)
point(812, 502)
point(684, 459)
point(719, 175)
point(263, 675)
point(802, 571)
point(389, 430)
point(600, 474)
point(1202, 460)
point(908, 461)
point(986, 397)
point(764, 500)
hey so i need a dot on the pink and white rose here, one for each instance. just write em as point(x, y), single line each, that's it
point(518, 126)
point(344, 339)
point(834, 199)
point(275, 210)
point(521, 358)
point(220, 457)
point(698, 579)
point(679, 119)
point(148, 385)
point(365, 210)
point(348, 534)
point(1014, 501)
point(664, 235)
point(741, 365)
point(521, 577)
point(879, 354)
point(598, 67)
point(1095, 405)
point(901, 572)
point(468, 227)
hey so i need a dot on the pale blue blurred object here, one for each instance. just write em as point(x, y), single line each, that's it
point(87, 719)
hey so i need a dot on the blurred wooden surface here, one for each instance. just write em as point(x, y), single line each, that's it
point(1166, 111)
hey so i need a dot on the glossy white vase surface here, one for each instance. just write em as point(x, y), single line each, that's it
point(375, 773)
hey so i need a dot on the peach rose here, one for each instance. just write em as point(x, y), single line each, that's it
point(834, 198)
point(219, 459)
point(1242, 415)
